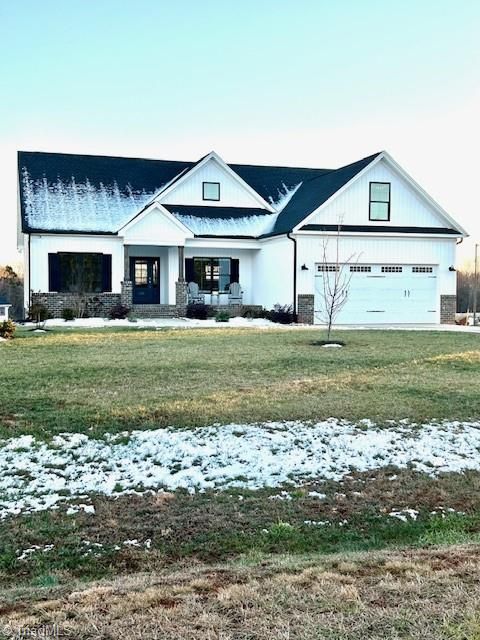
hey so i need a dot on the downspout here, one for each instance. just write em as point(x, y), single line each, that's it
point(29, 275)
point(294, 273)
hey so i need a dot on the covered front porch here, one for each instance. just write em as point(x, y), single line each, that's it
point(157, 278)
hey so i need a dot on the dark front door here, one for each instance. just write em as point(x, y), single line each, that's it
point(145, 277)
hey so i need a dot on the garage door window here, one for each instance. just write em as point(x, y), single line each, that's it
point(327, 267)
point(422, 269)
point(392, 269)
point(379, 201)
point(360, 268)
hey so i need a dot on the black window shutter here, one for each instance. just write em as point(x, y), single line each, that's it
point(54, 279)
point(234, 270)
point(189, 270)
point(106, 272)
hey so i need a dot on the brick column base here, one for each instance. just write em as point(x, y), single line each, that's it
point(305, 308)
point(127, 293)
point(448, 308)
point(181, 297)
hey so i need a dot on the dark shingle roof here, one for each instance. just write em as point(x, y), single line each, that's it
point(214, 212)
point(100, 194)
point(314, 192)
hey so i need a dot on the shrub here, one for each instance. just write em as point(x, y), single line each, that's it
point(118, 312)
point(222, 316)
point(255, 313)
point(198, 311)
point(7, 329)
point(38, 312)
point(68, 314)
point(283, 314)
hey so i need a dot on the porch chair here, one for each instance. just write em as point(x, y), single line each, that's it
point(235, 293)
point(194, 296)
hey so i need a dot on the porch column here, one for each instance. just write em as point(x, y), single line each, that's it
point(181, 264)
point(126, 262)
point(127, 289)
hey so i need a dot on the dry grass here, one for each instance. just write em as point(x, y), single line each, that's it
point(427, 595)
point(97, 381)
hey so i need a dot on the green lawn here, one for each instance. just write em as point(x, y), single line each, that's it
point(108, 380)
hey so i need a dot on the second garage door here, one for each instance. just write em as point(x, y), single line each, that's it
point(380, 294)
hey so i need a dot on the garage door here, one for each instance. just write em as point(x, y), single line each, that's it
point(381, 293)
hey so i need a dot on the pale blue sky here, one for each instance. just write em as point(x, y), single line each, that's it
point(288, 81)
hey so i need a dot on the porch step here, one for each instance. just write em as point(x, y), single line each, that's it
point(156, 311)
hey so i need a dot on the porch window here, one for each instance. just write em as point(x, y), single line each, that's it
point(80, 272)
point(213, 275)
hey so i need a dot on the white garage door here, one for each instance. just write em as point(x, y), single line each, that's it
point(381, 293)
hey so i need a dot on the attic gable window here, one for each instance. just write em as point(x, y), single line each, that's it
point(379, 201)
point(211, 191)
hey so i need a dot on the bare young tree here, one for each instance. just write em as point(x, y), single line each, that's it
point(335, 283)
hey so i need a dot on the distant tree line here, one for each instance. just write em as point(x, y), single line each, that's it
point(11, 287)
point(465, 289)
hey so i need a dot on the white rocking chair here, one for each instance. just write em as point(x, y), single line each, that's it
point(235, 293)
point(194, 296)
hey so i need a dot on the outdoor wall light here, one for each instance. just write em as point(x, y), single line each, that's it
point(304, 267)
point(452, 268)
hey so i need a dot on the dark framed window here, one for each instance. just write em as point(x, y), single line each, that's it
point(213, 275)
point(211, 191)
point(80, 272)
point(379, 201)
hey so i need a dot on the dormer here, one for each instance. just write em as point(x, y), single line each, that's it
point(211, 183)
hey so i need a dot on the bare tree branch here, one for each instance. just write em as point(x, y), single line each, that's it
point(336, 278)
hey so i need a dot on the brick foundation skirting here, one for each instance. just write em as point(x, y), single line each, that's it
point(179, 311)
point(448, 308)
point(97, 304)
point(305, 308)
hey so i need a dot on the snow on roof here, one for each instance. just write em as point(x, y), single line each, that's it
point(285, 194)
point(79, 206)
point(245, 226)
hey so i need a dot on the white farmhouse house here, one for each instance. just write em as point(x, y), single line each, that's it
point(141, 231)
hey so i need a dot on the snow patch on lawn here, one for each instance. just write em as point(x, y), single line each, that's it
point(35, 475)
point(157, 323)
point(404, 515)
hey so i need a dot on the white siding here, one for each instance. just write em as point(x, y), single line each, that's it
point(42, 245)
point(273, 273)
point(232, 193)
point(408, 208)
point(373, 250)
point(155, 228)
point(246, 259)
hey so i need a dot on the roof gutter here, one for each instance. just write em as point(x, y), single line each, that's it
point(294, 273)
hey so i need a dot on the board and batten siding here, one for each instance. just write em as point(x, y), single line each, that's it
point(378, 250)
point(190, 192)
point(42, 245)
point(273, 273)
point(407, 207)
